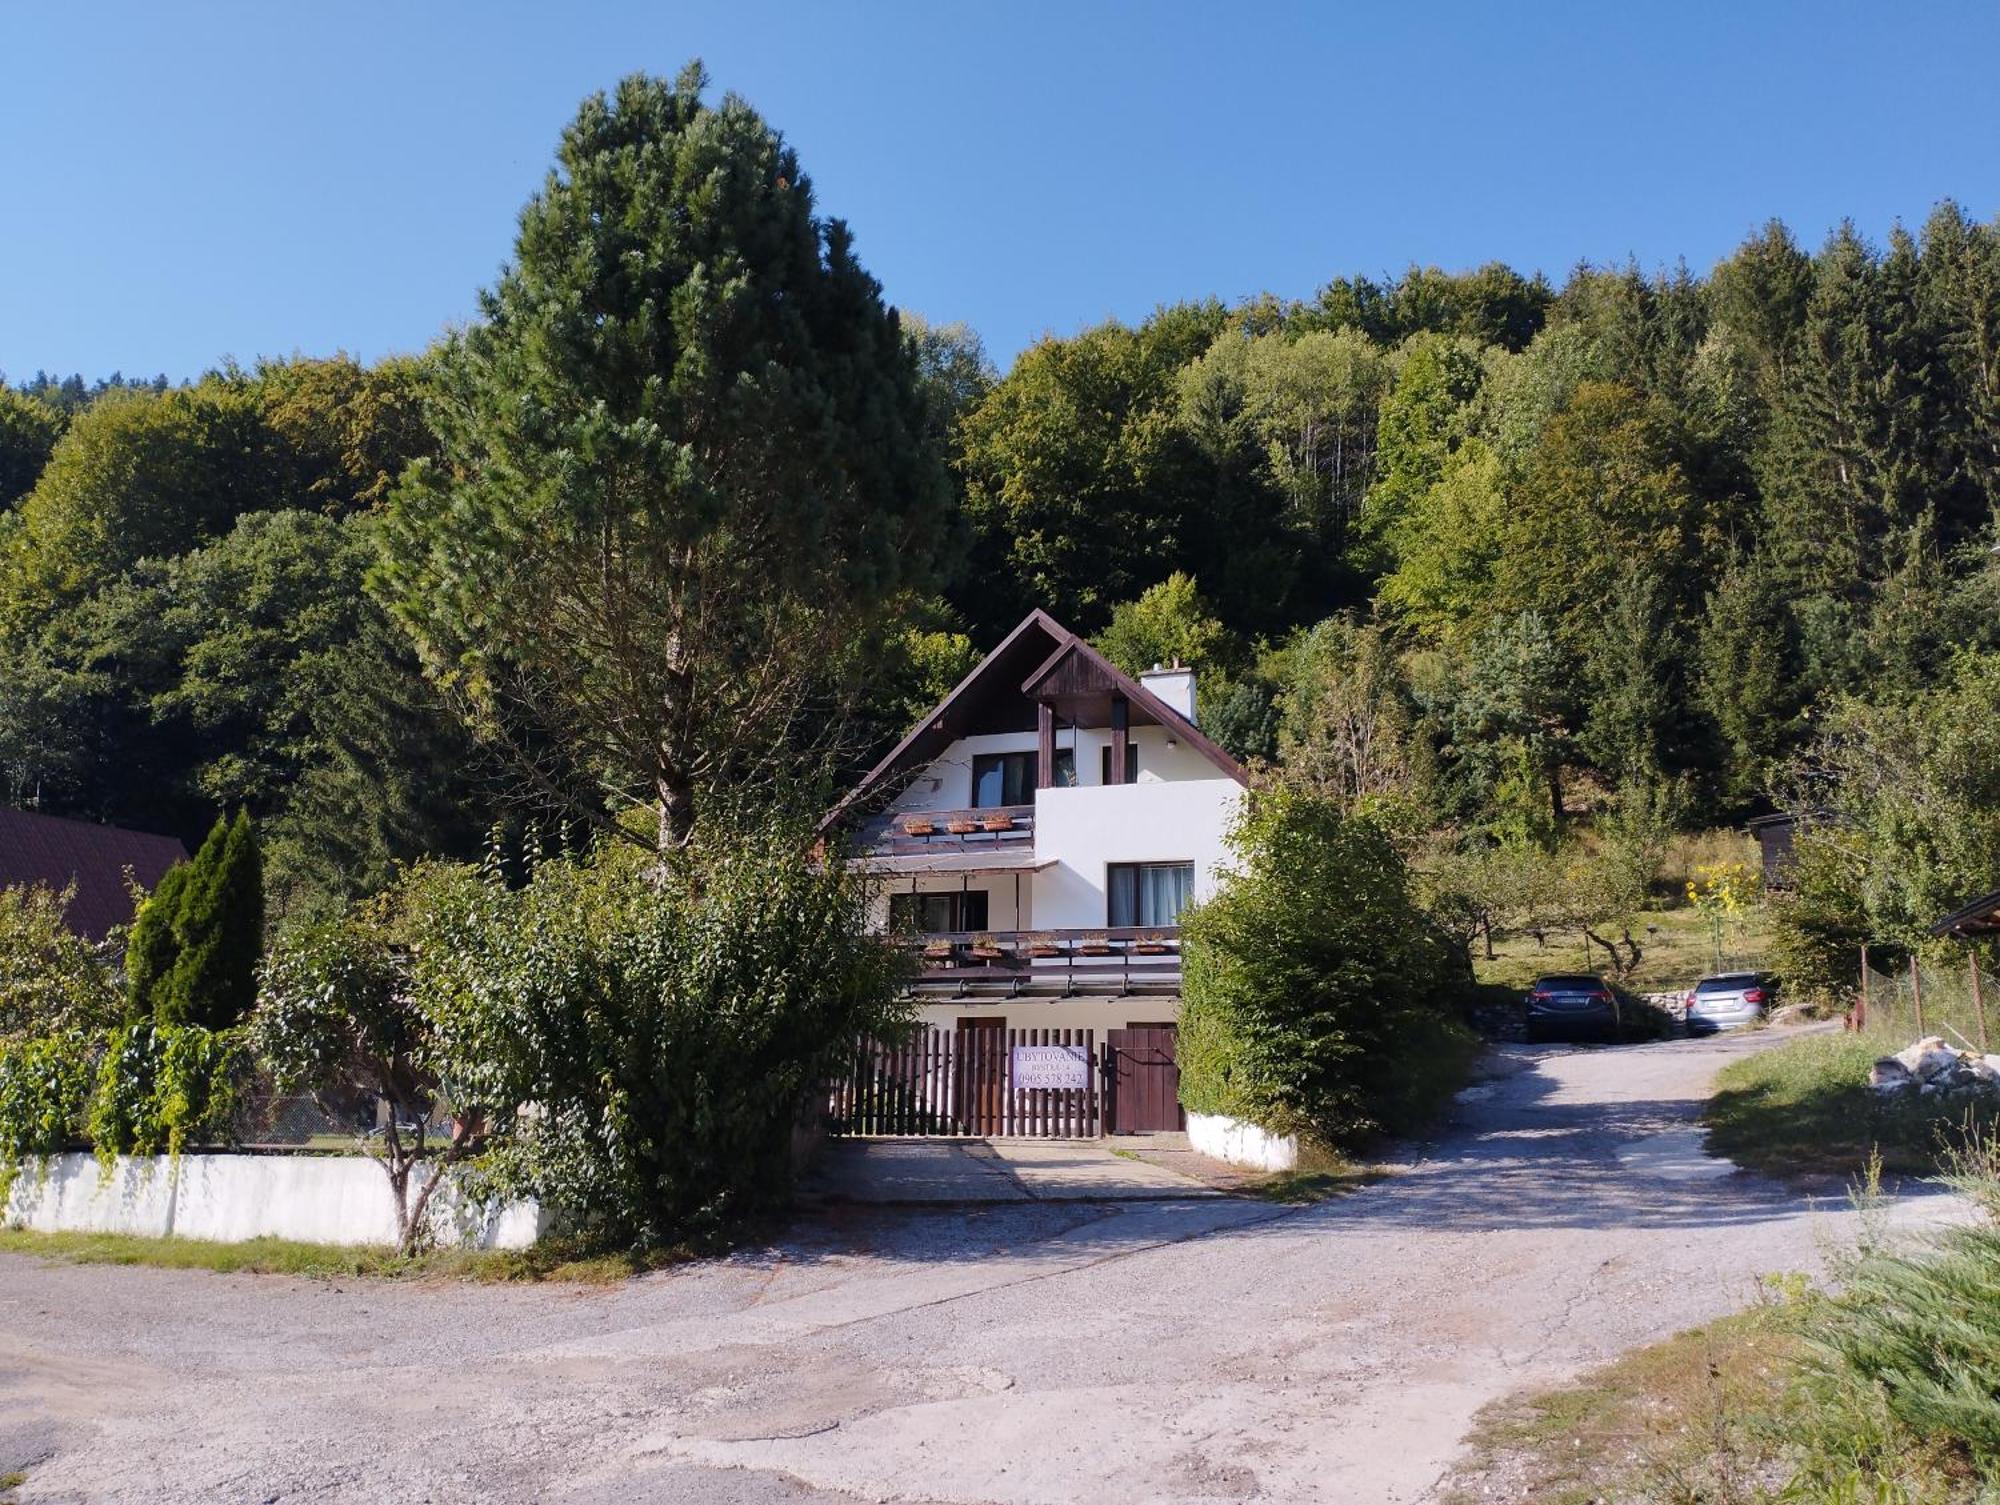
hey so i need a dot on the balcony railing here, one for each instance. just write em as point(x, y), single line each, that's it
point(1137, 959)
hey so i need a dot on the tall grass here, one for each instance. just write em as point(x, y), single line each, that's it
point(1903, 1374)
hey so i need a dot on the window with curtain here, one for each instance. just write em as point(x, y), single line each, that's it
point(1149, 893)
point(1003, 779)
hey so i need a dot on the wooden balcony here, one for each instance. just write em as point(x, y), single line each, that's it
point(1009, 963)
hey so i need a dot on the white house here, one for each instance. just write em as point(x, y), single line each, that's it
point(1038, 833)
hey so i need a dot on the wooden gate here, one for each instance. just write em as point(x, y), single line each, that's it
point(938, 1082)
point(1142, 1081)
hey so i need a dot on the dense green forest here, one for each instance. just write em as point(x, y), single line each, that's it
point(1501, 559)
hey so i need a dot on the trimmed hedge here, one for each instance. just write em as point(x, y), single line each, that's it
point(1319, 997)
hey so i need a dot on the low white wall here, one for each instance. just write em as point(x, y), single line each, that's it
point(1239, 1143)
point(321, 1199)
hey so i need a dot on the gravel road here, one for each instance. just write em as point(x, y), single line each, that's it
point(1215, 1350)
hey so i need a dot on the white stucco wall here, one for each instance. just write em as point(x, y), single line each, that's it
point(1086, 829)
point(1239, 1143)
point(322, 1199)
point(947, 783)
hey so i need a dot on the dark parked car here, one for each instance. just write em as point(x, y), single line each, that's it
point(1729, 1000)
point(1572, 1005)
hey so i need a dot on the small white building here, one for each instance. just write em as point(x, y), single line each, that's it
point(1038, 834)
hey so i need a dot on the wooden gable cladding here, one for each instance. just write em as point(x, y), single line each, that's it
point(1069, 677)
point(1067, 680)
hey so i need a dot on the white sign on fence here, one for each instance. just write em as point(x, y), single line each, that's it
point(1062, 1067)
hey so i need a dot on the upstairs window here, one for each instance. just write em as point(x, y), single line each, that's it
point(1131, 764)
point(1003, 779)
point(933, 914)
point(1149, 893)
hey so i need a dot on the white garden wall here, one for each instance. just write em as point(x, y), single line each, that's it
point(1239, 1143)
point(322, 1199)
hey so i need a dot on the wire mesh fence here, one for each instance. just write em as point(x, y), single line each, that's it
point(1903, 1004)
point(268, 1121)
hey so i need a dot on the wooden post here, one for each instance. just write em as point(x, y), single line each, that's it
point(1859, 1020)
point(1121, 720)
point(1978, 1002)
point(1917, 995)
point(1045, 745)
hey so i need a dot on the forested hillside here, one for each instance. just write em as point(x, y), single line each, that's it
point(1498, 558)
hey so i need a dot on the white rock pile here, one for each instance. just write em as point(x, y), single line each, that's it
point(1931, 1068)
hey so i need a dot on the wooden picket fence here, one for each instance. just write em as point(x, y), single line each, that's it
point(939, 1082)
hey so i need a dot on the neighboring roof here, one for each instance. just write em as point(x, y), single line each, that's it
point(1980, 917)
point(49, 850)
point(1025, 660)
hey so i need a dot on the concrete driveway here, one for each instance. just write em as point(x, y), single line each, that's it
point(1192, 1349)
point(917, 1172)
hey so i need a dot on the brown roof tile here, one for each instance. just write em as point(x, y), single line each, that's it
point(49, 850)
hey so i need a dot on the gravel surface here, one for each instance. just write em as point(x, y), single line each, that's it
point(1205, 1350)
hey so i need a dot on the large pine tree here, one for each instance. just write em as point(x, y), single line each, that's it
point(686, 463)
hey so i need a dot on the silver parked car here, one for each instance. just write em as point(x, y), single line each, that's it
point(1728, 1000)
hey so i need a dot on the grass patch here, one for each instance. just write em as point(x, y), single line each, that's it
point(1690, 1419)
point(547, 1261)
point(1677, 947)
point(1320, 1173)
point(1806, 1109)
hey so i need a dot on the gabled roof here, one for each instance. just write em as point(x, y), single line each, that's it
point(53, 852)
point(1039, 658)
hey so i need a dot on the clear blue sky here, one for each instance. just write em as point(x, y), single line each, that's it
point(190, 181)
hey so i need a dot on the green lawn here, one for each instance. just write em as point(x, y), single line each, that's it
point(1806, 1108)
point(268, 1256)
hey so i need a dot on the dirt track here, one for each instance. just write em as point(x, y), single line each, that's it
point(1179, 1351)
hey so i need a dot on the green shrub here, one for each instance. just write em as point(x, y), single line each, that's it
point(51, 979)
point(667, 1029)
point(161, 1087)
point(1318, 995)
